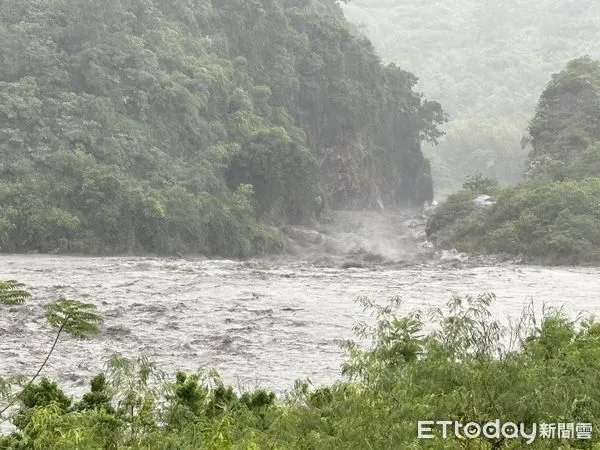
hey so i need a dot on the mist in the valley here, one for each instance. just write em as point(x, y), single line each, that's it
point(361, 213)
point(486, 62)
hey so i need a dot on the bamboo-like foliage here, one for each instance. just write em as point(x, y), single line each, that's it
point(455, 363)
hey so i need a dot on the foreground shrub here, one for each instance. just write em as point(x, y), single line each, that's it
point(467, 368)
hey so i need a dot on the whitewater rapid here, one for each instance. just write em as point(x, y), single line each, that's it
point(261, 322)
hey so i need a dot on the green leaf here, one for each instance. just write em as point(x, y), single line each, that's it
point(11, 293)
point(75, 317)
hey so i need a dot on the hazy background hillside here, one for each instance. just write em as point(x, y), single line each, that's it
point(487, 63)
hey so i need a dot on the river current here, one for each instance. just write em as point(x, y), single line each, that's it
point(263, 322)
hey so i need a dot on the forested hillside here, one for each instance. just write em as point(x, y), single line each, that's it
point(553, 216)
point(486, 62)
point(189, 126)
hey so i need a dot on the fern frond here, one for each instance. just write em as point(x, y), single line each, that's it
point(12, 293)
point(76, 318)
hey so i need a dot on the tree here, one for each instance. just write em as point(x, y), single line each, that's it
point(567, 120)
point(73, 317)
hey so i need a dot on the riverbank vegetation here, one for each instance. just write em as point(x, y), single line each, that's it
point(193, 127)
point(455, 363)
point(554, 216)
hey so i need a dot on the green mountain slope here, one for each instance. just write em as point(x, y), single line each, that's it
point(553, 216)
point(186, 126)
point(487, 62)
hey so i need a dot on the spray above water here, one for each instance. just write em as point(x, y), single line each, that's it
point(358, 238)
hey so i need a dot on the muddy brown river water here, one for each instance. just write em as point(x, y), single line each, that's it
point(261, 322)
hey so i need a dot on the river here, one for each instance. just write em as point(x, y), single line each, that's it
point(264, 322)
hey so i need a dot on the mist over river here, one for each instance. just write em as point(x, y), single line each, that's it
point(264, 322)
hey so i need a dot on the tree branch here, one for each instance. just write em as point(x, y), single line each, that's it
point(39, 370)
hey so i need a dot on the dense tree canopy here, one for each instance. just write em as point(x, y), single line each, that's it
point(565, 131)
point(139, 125)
